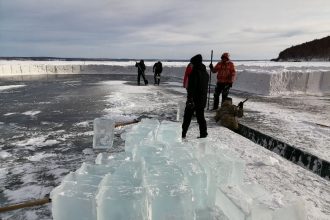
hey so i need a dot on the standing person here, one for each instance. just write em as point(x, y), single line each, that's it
point(225, 78)
point(157, 69)
point(196, 96)
point(227, 115)
point(141, 68)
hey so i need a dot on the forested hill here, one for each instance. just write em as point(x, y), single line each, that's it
point(316, 50)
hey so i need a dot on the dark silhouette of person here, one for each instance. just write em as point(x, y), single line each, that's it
point(141, 68)
point(196, 96)
point(157, 69)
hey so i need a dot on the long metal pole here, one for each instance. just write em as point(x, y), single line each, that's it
point(208, 102)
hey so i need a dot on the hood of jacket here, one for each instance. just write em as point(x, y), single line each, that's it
point(197, 59)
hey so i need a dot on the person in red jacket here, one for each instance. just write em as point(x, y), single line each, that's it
point(186, 75)
point(225, 78)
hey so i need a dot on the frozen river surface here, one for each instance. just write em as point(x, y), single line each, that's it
point(46, 132)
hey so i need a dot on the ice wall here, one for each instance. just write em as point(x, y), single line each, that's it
point(283, 82)
point(160, 177)
point(258, 78)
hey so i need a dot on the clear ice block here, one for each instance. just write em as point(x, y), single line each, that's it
point(103, 133)
point(74, 201)
point(169, 132)
point(180, 111)
point(228, 207)
point(197, 180)
point(109, 159)
point(295, 211)
point(121, 196)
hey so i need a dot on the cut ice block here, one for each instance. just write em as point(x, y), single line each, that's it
point(170, 202)
point(227, 207)
point(121, 202)
point(179, 151)
point(296, 211)
point(130, 172)
point(196, 178)
point(161, 168)
point(136, 138)
point(169, 196)
point(103, 133)
point(146, 150)
point(220, 170)
point(74, 201)
point(169, 132)
point(227, 170)
point(180, 111)
point(250, 198)
point(86, 179)
point(108, 159)
point(95, 169)
point(259, 212)
point(120, 197)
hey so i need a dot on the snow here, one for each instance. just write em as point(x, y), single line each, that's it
point(40, 156)
point(83, 124)
point(40, 141)
point(31, 113)
point(9, 87)
point(4, 154)
point(27, 192)
point(10, 113)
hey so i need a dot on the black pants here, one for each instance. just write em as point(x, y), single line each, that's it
point(157, 78)
point(220, 88)
point(188, 113)
point(144, 78)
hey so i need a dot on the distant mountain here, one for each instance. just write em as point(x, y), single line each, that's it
point(316, 50)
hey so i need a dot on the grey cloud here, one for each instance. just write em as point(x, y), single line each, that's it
point(113, 27)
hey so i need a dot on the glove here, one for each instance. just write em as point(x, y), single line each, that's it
point(190, 104)
point(211, 66)
point(240, 105)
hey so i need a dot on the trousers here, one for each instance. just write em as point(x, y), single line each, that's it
point(220, 88)
point(188, 113)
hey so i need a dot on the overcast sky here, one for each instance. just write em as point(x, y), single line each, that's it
point(166, 29)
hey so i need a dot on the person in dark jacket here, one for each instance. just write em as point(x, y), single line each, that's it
point(141, 68)
point(228, 113)
point(157, 69)
point(197, 96)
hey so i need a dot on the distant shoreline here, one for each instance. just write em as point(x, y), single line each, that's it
point(106, 59)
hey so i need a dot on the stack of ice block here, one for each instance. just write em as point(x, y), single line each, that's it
point(160, 177)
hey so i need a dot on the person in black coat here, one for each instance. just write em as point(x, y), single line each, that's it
point(197, 96)
point(157, 69)
point(141, 68)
